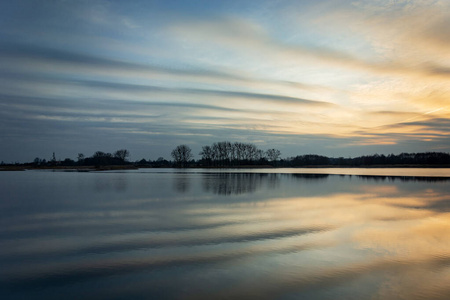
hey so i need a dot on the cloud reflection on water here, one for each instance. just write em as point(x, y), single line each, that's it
point(253, 235)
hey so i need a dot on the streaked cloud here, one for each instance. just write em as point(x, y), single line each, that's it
point(335, 78)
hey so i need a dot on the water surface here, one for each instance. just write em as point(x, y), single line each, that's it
point(201, 234)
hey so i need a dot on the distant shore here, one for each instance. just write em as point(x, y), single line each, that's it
point(69, 168)
point(134, 167)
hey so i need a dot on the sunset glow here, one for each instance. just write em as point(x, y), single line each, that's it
point(338, 78)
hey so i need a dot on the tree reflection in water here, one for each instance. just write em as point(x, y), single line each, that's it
point(237, 183)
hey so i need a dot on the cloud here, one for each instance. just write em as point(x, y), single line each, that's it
point(326, 74)
point(439, 126)
point(242, 36)
point(114, 89)
point(409, 39)
point(25, 54)
point(23, 60)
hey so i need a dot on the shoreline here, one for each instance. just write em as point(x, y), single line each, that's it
point(134, 167)
point(69, 168)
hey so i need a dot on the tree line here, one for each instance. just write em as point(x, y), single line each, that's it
point(234, 154)
point(99, 158)
point(228, 154)
point(225, 154)
point(403, 159)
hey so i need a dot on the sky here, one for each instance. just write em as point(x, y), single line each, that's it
point(335, 78)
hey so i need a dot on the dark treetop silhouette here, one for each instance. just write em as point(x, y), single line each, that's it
point(237, 154)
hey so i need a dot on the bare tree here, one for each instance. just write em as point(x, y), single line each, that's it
point(226, 153)
point(238, 148)
point(273, 154)
point(182, 154)
point(122, 154)
point(259, 155)
point(206, 154)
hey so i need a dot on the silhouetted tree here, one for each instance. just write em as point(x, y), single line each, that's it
point(80, 158)
point(68, 162)
point(102, 159)
point(273, 154)
point(161, 162)
point(122, 154)
point(141, 162)
point(260, 155)
point(181, 155)
point(229, 154)
point(207, 155)
point(309, 160)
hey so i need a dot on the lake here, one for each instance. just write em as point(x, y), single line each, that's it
point(225, 234)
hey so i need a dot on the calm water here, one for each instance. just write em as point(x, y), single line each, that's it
point(165, 234)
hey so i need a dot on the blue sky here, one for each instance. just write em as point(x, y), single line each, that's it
point(337, 78)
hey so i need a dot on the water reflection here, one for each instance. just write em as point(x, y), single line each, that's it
point(312, 177)
point(116, 181)
point(237, 183)
point(173, 236)
point(182, 183)
point(229, 184)
point(403, 178)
